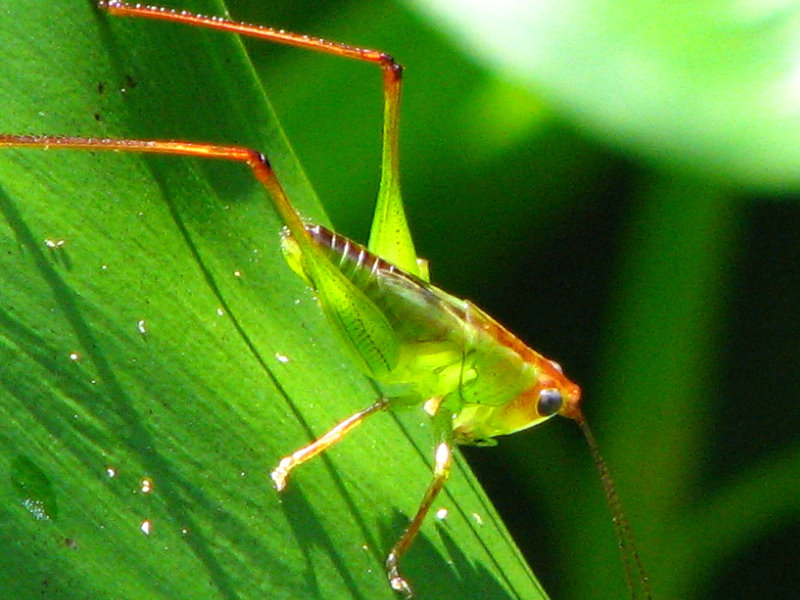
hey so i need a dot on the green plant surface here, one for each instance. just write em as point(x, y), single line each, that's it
point(706, 87)
point(158, 356)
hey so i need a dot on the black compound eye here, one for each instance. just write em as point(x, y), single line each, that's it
point(550, 401)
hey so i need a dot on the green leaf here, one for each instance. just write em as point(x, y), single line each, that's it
point(707, 87)
point(158, 357)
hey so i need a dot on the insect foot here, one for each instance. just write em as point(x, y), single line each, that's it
point(280, 473)
point(397, 581)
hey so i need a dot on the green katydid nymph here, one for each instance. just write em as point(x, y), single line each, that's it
point(473, 377)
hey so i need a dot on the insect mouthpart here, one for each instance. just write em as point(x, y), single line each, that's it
point(571, 407)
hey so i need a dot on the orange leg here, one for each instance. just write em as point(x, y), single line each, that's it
point(309, 451)
point(392, 71)
point(443, 457)
point(257, 162)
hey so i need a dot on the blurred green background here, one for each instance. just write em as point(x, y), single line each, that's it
point(617, 182)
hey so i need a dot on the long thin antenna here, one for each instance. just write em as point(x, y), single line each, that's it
point(634, 571)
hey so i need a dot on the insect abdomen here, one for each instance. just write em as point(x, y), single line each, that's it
point(416, 313)
point(357, 263)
